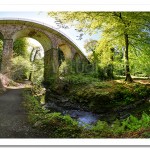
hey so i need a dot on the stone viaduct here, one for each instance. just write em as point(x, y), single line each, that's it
point(51, 39)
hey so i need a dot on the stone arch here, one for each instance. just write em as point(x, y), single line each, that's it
point(66, 51)
point(50, 38)
point(61, 56)
point(50, 65)
point(42, 38)
point(77, 57)
point(77, 62)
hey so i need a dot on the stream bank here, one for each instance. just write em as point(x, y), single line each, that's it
point(57, 124)
point(105, 101)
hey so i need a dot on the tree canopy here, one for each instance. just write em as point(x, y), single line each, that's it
point(20, 47)
point(125, 31)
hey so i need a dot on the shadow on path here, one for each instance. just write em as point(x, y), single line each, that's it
point(13, 118)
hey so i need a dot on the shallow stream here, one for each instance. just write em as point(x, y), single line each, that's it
point(83, 117)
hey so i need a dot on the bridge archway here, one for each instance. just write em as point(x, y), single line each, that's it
point(35, 34)
point(47, 46)
point(77, 63)
point(28, 60)
point(66, 51)
point(50, 38)
point(46, 43)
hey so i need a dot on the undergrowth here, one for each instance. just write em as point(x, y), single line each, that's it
point(103, 96)
point(59, 126)
point(53, 123)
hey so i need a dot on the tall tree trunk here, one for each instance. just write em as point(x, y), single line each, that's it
point(127, 68)
point(32, 61)
point(111, 66)
point(30, 76)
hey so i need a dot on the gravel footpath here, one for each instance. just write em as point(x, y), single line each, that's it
point(13, 118)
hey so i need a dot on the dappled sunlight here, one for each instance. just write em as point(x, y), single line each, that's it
point(141, 80)
point(22, 85)
point(146, 82)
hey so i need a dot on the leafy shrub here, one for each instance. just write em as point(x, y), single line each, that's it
point(79, 79)
point(69, 121)
point(131, 93)
point(132, 123)
point(61, 126)
point(67, 68)
point(141, 90)
point(37, 71)
point(101, 126)
point(37, 89)
point(146, 134)
point(117, 128)
point(20, 68)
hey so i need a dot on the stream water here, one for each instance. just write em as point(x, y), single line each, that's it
point(63, 105)
point(83, 117)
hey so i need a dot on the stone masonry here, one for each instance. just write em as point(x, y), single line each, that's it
point(50, 38)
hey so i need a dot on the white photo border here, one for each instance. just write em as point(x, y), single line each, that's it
point(74, 5)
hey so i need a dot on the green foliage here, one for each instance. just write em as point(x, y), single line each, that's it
point(132, 93)
point(63, 69)
point(146, 134)
point(67, 132)
point(101, 126)
point(37, 90)
point(133, 124)
point(140, 59)
point(123, 31)
point(79, 79)
point(103, 97)
point(90, 45)
point(37, 65)
point(69, 120)
point(56, 125)
point(68, 67)
point(142, 91)
point(20, 68)
point(124, 95)
point(20, 48)
point(42, 99)
point(37, 71)
point(119, 128)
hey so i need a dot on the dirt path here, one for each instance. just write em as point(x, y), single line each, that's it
point(13, 118)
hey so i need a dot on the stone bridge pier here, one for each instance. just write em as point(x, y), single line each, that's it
point(7, 56)
point(51, 39)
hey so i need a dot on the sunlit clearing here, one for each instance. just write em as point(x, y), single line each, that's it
point(35, 43)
